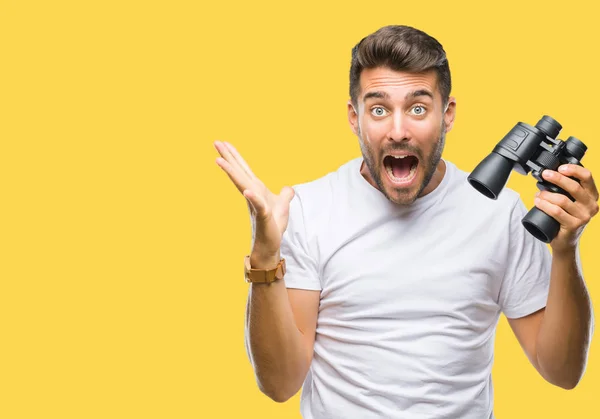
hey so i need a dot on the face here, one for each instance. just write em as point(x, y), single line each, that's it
point(401, 125)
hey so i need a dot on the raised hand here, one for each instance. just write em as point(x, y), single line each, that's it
point(268, 212)
point(572, 216)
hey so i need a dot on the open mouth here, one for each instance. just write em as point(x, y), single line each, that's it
point(401, 169)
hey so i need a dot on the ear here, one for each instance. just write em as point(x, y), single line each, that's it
point(450, 113)
point(353, 118)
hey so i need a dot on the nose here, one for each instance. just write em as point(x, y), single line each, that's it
point(399, 128)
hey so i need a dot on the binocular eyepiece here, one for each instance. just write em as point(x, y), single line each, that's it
point(529, 149)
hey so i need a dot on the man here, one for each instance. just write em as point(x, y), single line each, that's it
point(396, 269)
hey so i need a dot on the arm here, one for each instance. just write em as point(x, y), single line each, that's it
point(557, 338)
point(280, 324)
point(280, 335)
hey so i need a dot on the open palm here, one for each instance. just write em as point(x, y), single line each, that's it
point(268, 212)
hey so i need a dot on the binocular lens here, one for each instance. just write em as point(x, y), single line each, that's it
point(575, 147)
point(541, 225)
point(490, 176)
point(549, 126)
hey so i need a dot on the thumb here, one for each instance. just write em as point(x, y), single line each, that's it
point(287, 193)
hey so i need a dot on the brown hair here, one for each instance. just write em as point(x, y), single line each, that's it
point(400, 48)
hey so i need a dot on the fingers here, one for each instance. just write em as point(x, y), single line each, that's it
point(584, 175)
point(240, 160)
point(257, 202)
point(572, 216)
point(558, 213)
point(230, 165)
point(572, 208)
point(237, 178)
point(571, 186)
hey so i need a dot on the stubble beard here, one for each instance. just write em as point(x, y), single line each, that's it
point(429, 165)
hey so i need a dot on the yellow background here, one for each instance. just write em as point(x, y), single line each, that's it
point(122, 293)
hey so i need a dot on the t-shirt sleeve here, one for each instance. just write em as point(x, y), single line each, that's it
point(526, 281)
point(301, 265)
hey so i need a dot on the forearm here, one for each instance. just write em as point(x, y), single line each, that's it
point(565, 332)
point(274, 343)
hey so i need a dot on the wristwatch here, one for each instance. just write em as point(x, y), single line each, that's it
point(263, 275)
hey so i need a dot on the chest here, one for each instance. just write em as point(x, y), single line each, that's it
point(409, 271)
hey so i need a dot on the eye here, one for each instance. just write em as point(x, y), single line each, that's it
point(419, 110)
point(378, 111)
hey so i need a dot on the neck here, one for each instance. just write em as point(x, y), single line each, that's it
point(435, 181)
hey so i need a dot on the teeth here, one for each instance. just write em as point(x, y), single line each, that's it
point(398, 157)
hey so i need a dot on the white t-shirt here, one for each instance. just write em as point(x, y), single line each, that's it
point(410, 295)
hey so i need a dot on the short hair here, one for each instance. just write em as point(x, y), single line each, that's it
point(400, 48)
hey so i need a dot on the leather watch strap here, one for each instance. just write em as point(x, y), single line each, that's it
point(265, 276)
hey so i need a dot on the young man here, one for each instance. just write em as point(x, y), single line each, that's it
point(396, 269)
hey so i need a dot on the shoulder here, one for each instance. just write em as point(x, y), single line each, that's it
point(324, 183)
point(497, 222)
point(312, 208)
point(316, 196)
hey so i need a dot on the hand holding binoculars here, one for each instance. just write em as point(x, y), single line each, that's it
point(529, 149)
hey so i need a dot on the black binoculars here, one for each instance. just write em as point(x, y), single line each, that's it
point(529, 149)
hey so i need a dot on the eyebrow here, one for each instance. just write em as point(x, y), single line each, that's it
point(384, 95)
